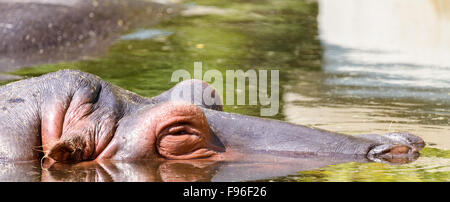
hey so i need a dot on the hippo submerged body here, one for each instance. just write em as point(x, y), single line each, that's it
point(48, 31)
point(72, 116)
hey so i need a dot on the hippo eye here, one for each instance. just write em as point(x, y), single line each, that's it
point(177, 130)
point(180, 141)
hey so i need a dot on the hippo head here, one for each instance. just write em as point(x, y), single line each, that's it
point(111, 124)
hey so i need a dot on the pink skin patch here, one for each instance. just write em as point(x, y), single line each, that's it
point(173, 130)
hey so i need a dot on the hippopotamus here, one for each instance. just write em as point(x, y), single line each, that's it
point(71, 116)
point(48, 31)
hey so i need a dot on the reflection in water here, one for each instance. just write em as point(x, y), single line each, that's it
point(386, 68)
point(20, 172)
point(145, 34)
point(252, 167)
point(146, 171)
point(392, 48)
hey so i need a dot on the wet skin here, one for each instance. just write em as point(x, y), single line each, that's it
point(38, 31)
point(74, 116)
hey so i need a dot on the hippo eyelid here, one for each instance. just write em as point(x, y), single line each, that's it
point(177, 129)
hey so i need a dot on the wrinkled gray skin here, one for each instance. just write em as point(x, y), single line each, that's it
point(47, 31)
point(26, 104)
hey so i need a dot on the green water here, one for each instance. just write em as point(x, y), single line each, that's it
point(258, 34)
point(265, 35)
point(432, 166)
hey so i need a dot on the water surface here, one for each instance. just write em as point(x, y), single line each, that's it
point(377, 74)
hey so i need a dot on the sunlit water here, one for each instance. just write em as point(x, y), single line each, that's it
point(349, 66)
point(386, 67)
point(394, 49)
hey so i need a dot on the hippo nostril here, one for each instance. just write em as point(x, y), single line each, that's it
point(406, 138)
point(419, 145)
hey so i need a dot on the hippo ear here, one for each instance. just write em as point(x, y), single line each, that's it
point(64, 151)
